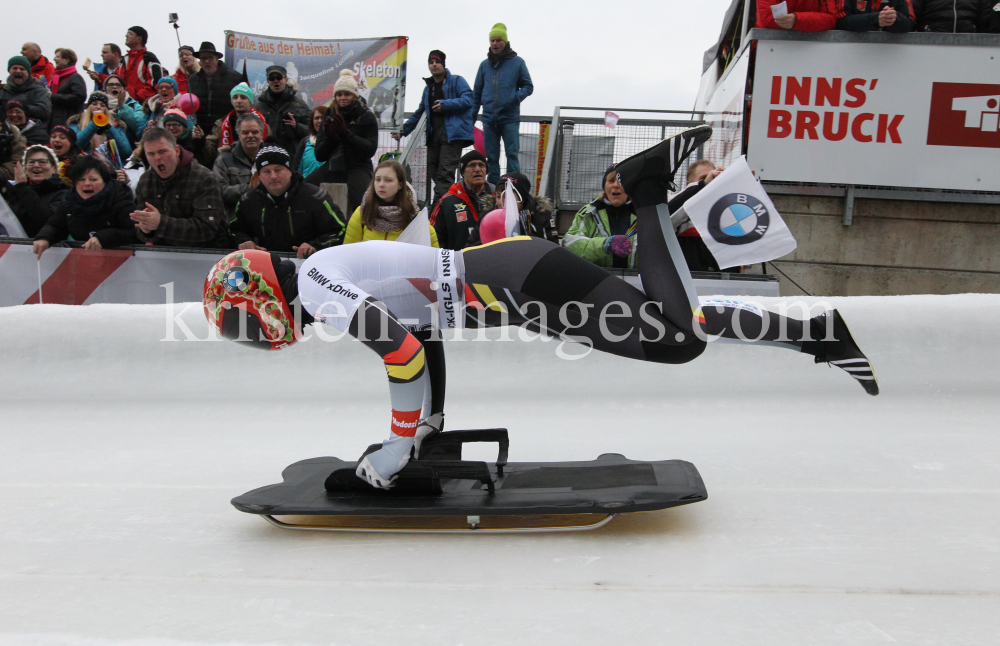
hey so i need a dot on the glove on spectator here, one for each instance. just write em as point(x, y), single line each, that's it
point(335, 126)
point(620, 246)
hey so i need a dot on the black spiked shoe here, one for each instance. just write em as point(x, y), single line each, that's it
point(838, 348)
point(655, 167)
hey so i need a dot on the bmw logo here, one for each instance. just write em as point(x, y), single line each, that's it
point(737, 219)
point(236, 279)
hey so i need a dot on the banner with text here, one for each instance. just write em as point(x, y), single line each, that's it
point(378, 65)
point(876, 114)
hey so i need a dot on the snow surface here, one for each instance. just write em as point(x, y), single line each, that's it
point(832, 518)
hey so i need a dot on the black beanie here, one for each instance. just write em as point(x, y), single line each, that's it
point(436, 53)
point(141, 33)
point(472, 155)
point(271, 153)
point(521, 184)
point(97, 95)
point(69, 132)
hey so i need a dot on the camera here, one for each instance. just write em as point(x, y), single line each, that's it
point(172, 18)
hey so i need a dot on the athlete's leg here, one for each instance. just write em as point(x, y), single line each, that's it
point(519, 280)
point(404, 359)
point(529, 279)
point(646, 177)
point(432, 418)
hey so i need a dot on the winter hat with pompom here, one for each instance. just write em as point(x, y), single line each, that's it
point(346, 83)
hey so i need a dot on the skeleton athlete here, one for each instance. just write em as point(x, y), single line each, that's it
point(391, 296)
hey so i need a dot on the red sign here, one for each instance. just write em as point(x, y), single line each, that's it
point(964, 114)
point(824, 123)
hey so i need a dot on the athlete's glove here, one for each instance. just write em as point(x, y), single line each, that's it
point(428, 426)
point(620, 246)
point(379, 468)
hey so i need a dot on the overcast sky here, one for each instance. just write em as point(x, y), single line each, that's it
point(617, 53)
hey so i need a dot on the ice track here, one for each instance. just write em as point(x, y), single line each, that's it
point(832, 518)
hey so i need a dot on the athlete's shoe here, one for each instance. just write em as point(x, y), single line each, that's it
point(841, 351)
point(661, 162)
point(430, 425)
point(380, 467)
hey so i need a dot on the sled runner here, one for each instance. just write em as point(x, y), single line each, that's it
point(441, 493)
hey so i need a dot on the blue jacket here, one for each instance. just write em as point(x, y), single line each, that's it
point(456, 106)
point(501, 87)
point(130, 113)
point(121, 141)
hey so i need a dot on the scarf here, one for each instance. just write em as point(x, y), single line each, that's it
point(390, 218)
point(77, 207)
point(58, 77)
point(229, 137)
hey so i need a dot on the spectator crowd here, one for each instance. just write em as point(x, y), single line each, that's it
point(896, 16)
point(196, 158)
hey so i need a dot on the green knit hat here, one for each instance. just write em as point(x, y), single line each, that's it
point(243, 89)
point(499, 31)
point(19, 60)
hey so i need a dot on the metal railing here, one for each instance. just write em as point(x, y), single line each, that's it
point(415, 152)
point(580, 148)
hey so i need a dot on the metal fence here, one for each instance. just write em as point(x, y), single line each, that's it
point(417, 159)
point(583, 148)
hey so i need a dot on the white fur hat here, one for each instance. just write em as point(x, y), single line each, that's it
point(346, 83)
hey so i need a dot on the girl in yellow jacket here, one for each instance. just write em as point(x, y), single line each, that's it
point(388, 206)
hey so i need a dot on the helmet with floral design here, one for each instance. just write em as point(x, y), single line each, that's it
point(244, 301)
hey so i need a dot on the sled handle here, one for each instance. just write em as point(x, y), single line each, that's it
point(498, 435)
point(461, 470)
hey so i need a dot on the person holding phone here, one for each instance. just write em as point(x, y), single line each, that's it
point(129, 110)
point(284, 109)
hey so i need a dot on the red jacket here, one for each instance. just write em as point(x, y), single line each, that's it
point(810, 15)
point(182, 81)
point(43, 68)
point(141, 70)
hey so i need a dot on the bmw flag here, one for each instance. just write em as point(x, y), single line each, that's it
point(737, 220)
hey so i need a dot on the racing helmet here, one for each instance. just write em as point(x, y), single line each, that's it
point(244, 301)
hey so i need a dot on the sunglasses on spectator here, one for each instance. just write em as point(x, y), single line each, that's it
point(275, 77)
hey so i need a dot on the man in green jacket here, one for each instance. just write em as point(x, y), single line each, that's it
point(600, 230)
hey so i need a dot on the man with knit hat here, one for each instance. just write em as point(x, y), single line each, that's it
point(141, 67)
point(283, 213)
point(225, 133)
point(447, 102)
point(286, 114)
point(22, 86)
point(502, 83)
point(456, 217)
